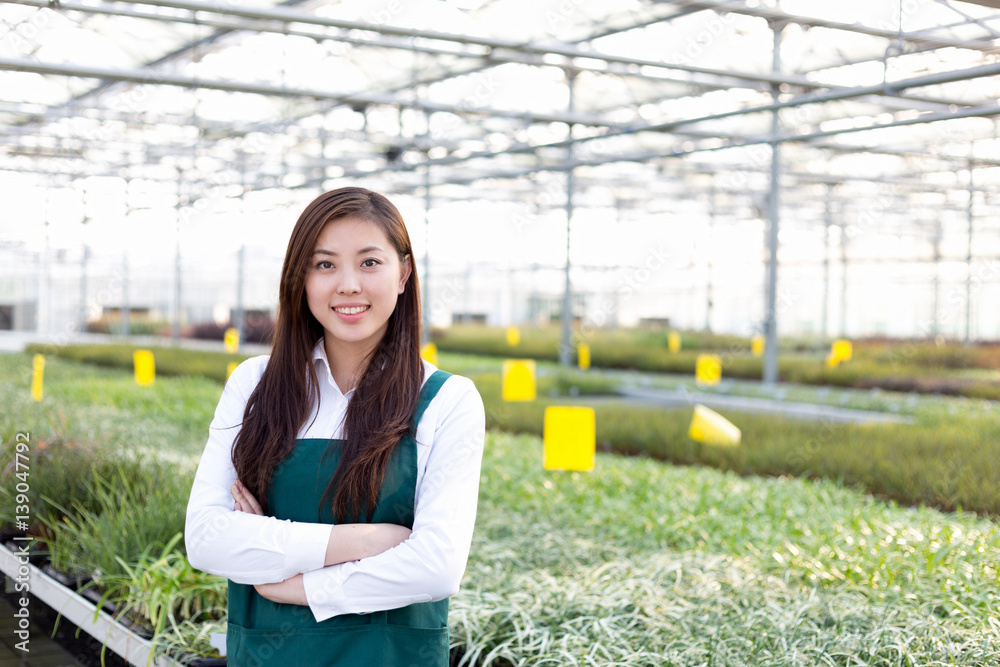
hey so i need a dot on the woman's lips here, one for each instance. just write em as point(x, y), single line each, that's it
point(351, 313)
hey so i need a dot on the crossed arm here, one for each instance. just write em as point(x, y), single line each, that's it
point(349, 541)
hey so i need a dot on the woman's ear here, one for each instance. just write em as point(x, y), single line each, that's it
point(404, 273)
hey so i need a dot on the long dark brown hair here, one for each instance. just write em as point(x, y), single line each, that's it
point(384, 401)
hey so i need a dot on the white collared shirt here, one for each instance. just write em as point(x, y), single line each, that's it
point(252, 549)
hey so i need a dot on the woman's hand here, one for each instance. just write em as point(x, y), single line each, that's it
point(289, 591)
point(243, 500)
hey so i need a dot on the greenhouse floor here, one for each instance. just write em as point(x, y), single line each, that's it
point(43, 651)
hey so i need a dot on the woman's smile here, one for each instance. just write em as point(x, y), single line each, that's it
point(351, 313)
point(351, 310)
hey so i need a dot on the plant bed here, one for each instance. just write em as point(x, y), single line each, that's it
point(98, 623)
point(86, 651)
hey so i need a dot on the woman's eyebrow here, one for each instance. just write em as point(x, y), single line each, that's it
point(362, 251)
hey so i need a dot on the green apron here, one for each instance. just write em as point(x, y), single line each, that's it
point(265, 633)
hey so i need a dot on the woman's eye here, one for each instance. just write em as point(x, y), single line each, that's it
point(370, 263)
point(324, 265)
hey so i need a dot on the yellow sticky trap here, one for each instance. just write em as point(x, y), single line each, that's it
point(231, 340)
point(570, 438)
point(430, 353)
point(708, 369)
point(230, 368)
point(674, 341)
point(583, 355)
point(711, 428)
point(519, 380)
point(145, 368)
point(757, 346)
point(513, 336)
point(37, 373)
point(842, 350)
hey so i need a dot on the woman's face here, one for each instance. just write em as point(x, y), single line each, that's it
point(353, 280)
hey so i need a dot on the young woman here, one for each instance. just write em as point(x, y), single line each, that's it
point(338, 487)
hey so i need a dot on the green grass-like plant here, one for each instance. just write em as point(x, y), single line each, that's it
point(947, 465)
point(164, 589)
point(190, 639)
point(638, 563)
point(169, 360)
point(641, 564)
point(925, 367)
point(133, 513)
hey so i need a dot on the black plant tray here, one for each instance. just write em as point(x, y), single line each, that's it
point(128, 619)
point(34, 557)
point(71, 580)
point(207, 662)
point(9, 534)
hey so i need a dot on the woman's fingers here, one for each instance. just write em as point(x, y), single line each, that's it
point(248, 500)
point(244, 500)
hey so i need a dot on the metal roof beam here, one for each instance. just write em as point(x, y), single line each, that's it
point(991, 69)
point(554, 48)
point(892, 35)
point(649, 156)
point(176, 53)
point(531, 57)
point(165, 79)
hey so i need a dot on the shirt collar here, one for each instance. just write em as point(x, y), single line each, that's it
point(322, 364)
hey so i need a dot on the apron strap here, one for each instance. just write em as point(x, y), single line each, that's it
point(427, 394)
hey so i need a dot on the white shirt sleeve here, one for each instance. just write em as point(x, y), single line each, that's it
point(246, 548)
point(429, 565)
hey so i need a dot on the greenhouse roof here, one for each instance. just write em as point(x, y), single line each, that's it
point(303, 93)
point(884, 113)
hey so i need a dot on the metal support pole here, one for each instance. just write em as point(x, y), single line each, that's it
point(565, 348)
point(45, 291)
point(712, 206)
point(968, 256)
point(175, 329)
point(241, 270)
point(843, 279)
point(126, 311)
point(83, 287)
point(936, 280)
point(126, 306)
point(241, 256)
point(827, 222)
point(426, 334)
point(770, 375)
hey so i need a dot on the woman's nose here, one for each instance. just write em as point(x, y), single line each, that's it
point(349, 283)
